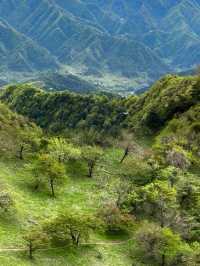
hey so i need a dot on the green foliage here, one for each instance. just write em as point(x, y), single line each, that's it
point(70, 228)
point(179, 141)
point(155, 201)
point(61, 111)
point(160, 246)
point(139, 170)
point(168, 97)
point(115, 220)
point(17, 132)
point(35, 238)
point(188, 190)
point(48, 170)
point(63, 151)
point(157, 181)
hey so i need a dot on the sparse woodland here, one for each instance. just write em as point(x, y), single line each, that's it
point(101, 179)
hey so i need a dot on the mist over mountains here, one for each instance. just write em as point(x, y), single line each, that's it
point(123, 38)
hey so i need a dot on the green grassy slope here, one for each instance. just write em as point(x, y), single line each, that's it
point(169, 112)
point(78, 192)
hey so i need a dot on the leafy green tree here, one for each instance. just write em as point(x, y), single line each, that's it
point(156, 201)
point(127, 143)
point(35, 238)
point(62, 150)
point(188, 193)
point(27, 142)
point(47, 169)
point(69, 227)
point(91, 154)
point(116, 220)
point(171, 174)
point(160, 246)
point(138, 170)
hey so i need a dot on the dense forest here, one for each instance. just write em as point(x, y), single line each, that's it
point(100, 179)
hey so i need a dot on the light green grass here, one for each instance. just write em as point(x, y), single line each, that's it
point(78, 193)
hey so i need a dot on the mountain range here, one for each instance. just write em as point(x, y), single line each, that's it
point(123, 38)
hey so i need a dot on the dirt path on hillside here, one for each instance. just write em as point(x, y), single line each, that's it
point(112, 243)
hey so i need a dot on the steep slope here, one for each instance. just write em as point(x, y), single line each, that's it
point(182, 134)
point(171, 28)
point(63, 81)
point(16, 132)
point(19, 53)
point(121, 56)
point(79, 42)
point(167, 115)
point(171, 96)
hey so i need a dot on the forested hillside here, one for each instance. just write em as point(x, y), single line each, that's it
point(99, 132)
point(59, 111)
point(170, 96)
point(101, 179)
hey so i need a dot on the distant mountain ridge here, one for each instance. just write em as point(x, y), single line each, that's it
point(19, 53)
point(126, 38)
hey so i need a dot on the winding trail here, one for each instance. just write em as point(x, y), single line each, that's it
point(112, 243)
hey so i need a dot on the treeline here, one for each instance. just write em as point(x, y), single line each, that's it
point(171, 96)
point(59, 111)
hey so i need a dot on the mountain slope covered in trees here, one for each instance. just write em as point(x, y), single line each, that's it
point(108, 180)
point(170, 96)
point(167, 103)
